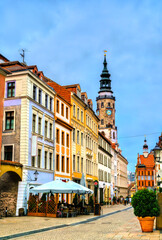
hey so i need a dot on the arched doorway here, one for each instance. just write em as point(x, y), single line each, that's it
point(8, 193)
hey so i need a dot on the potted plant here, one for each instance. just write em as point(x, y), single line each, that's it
point(146, 208)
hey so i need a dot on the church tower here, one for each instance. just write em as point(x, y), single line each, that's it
point(106, 105)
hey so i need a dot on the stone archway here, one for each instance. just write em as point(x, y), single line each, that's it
point(8, 193)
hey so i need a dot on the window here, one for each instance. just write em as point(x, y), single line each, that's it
point(67, 165)
point(113, 135)
point(40, 96)
point(81, 116)
point(108, 104)
point(102, 104)
point(74, 110)
point(34, 123)
point(8, 153)
point(33, 162)
point(39, 158)
point(74, 163)
point(77, 136)
point(63, 164)
point(78, 113)
point(46, 100)
point(78, 164)
point(98, 105)
point(34, 92)
point(82, 139)
point(74, 135)
point(57, 136)
point(51, 104)
point(57, 106)
point(9, 120)
point(62, 138)
point(62, 109)
point(57, 162)
point(67, 113)
point(81, 164)
point(50, 130)
point(102, 121)
point(40, 125)
point(50, 161)
point(10, 89)
point(45, 159)
point(46, 126)
point(67, 140)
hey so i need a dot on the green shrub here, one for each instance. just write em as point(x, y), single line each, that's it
point(145, 203)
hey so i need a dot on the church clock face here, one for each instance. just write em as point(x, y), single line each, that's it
point(108, 112)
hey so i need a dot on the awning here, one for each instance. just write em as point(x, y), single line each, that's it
point(58, 186)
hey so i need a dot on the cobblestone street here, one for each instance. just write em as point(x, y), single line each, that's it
point(120, 225)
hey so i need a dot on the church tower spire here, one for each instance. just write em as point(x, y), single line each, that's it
point(106, 105)
point(105, 82)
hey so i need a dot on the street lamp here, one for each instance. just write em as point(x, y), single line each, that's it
point(158, 179)
point(36, 173)
point(157, 151)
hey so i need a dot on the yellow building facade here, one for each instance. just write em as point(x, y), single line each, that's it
point(84, 137)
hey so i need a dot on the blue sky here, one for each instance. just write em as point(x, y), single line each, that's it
point(66, 40)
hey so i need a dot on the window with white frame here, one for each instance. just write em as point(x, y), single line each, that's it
point(50, 160)
point(77, 136)
point(82, 139)
point(74, 110)
point(39, 158)
point(8, 152)
point(10, 89)
point(78, 114)
point(39, 125)
point(9, 120)
point(82, 116)
point(78, 162)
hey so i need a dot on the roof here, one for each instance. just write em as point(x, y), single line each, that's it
point(3, 58)
point(63, 92)
point(147, 161)
point(103, 135)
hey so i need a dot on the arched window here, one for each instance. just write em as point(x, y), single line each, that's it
point(102, 104)
point(102, 121)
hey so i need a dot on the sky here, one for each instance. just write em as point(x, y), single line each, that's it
point(66, 40)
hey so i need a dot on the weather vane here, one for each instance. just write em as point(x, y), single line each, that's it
point(105, 51)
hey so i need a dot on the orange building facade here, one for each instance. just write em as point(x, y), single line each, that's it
point(63, 129)
point(145, 169)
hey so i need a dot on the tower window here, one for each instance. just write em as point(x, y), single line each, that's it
point(97, 105)
point(113, 135)
point(102, 121)
point(108, 104)
point(102, 104)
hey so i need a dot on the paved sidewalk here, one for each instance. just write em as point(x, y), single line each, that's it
point(116, 223)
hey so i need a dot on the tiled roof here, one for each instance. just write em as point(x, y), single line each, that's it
point(147, 161)
point(63, 92)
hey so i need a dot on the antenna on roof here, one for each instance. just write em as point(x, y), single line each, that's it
point(22, 54)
